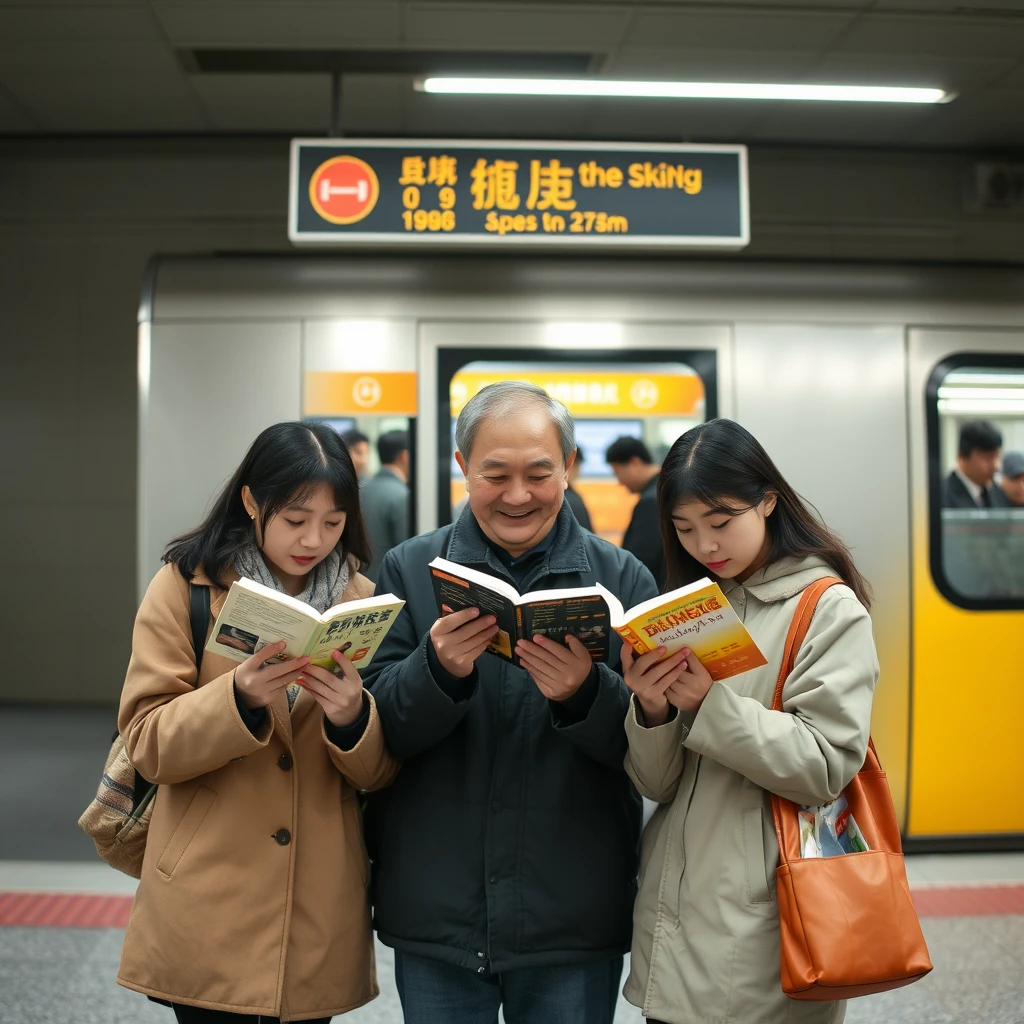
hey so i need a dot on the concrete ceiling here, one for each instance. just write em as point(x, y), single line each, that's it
point(128, 66)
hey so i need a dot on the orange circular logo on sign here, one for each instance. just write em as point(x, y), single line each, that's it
point(343, 189)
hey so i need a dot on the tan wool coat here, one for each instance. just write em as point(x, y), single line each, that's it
point(227, 916)
point(706, 923)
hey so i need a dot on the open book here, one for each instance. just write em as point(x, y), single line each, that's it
point(696, 616)
point(254, 616)
point(552, 613)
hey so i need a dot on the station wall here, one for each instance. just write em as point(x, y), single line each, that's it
point(79, 221)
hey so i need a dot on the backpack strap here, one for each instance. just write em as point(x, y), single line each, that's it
point(199, 620)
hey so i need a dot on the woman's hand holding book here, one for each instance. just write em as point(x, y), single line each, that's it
point(339, 693)
point(259, 679)
point(650, 678)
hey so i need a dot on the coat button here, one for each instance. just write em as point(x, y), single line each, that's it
point(284, 762)
point(282, 836)
point(481, 970)
point(480, 955)
point(493, 879)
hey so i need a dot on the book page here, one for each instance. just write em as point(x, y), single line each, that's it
point(583, 614)
point(248, 622)
point(702, 620)
point(357, 631)
point(454, 591)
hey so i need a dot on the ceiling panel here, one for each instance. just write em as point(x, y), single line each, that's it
point(375, 105)
point(97, 103)
point(670, 121)
point(948, 37)
point(27, 26)
point(289, 103)
point(486, 26)
point(493, 118)
point(991, 120)
point(83, 58)
point(836, 123)
point(14, 118)
point(1013, 80)
point(910, 69)
point(300, 23)
point(702, 64)
point(740, 29)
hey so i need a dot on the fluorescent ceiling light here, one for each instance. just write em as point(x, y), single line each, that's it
point(681, 90)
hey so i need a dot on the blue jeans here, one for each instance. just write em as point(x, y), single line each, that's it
point(435, 992)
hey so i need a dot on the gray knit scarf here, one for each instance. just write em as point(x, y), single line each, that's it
point(324, 585)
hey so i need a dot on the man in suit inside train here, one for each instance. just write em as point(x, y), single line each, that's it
point(634, 468)
point(970, 485)
point(505, 854)
point(1011, 482)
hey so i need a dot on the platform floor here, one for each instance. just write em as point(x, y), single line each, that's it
point(972, 906)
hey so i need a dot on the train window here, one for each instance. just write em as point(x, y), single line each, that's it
point(975, 412)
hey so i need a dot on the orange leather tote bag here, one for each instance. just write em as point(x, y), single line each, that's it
point(848, 924)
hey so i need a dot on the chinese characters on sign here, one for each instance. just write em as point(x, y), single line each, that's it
point(682, 195)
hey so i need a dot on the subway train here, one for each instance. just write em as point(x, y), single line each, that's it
point(856, 378)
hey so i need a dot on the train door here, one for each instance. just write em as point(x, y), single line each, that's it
point(967, 714)
point(651, 380)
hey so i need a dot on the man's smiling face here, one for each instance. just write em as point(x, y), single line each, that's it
point(515, 476)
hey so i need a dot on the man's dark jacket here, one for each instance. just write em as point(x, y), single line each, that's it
point(956, 495)
point(643, 535)
point(510, 836)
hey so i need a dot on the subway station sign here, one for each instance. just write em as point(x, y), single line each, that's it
point(346, 192)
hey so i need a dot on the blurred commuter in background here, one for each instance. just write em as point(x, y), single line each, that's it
point(573, 497)
point(634, 468)
point(385, 498)
point(358, 445)
point(1012, 480)
point(969, 485)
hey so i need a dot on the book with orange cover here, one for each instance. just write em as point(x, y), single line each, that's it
point(697, 616)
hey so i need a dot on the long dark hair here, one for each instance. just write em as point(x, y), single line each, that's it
point(722, 465)
point(286, 464)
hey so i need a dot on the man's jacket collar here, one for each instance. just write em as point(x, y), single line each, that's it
point(567, 553)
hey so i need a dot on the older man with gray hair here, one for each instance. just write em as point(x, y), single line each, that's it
point(505, 854)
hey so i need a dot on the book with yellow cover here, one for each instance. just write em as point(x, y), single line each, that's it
point(697, 616)
point(255, 616)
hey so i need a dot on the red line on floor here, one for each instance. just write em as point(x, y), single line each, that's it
point(69, 910)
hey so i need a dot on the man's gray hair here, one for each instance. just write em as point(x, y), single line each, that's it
point(505, 398)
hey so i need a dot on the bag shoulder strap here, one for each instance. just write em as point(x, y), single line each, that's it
point(798, 631)
point(199, 619)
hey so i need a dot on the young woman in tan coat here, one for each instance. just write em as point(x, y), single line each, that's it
point(253, 903)
point(706, 923)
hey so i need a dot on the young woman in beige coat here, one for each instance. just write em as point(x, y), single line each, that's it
point(253, 903)
point(706, 924)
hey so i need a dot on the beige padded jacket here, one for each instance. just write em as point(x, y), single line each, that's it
point(706, 927)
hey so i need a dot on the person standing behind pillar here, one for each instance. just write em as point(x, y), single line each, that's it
point(969, 485)
point(505, 859)
point(358, 445)
point(573, 498)
point(385, 498)
point(634, 468)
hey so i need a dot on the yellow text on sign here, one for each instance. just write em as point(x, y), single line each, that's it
point(599, 394)
point(330, 393)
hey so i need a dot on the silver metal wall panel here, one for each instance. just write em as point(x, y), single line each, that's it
point(205, 392)
point(828, 402)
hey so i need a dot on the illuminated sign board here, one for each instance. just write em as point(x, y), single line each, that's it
point(346, 192)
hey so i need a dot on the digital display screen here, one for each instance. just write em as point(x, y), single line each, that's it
point(593, 438)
